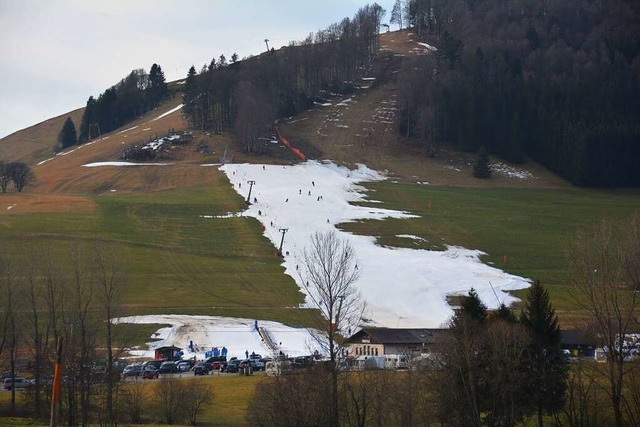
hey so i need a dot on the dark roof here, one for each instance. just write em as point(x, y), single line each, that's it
point(168, 348)
point(395, 336)
point(573, 337)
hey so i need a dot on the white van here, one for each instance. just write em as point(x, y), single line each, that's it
point(277, 367)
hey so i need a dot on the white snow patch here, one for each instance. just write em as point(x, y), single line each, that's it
point(428, 46)
point(511, 171)
point(173, 110)
point(98, 164)
point(11, 207)
point(146, 129)
point(127, 130)
point(211, 164)
point(411, 236)
point(227, 215)
point(421, 280)
point(238, 335)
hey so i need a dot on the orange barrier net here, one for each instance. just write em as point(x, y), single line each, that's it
point(287, 144)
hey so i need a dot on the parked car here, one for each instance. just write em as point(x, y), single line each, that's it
point(232, 366)
point(168, 368)
point(150, 373)
point(253, 363)
point(184, 365)
point(201, 368)
point(17, 383)
point(132, 371)
point(155, 363)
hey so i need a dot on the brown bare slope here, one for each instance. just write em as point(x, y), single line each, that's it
point(361, 129)
point(36, 143)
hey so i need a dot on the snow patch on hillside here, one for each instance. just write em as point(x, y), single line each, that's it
point(402, 287)
point(173, 110)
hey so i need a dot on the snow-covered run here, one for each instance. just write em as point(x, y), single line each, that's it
point(238, 335)
point(98, 164)
point(402, 287)
point(173, 110)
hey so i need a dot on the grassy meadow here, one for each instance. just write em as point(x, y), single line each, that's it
point(180, 262)
point(533, 228)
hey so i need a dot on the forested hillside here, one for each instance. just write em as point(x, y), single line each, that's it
point(248, 95)
point(558, 81)
point(130, 98)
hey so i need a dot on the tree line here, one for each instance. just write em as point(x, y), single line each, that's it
point(73, 294)
point(134, 95)
point(248, 95)
point(488, 368)
point(18, 173)
point(554, 81)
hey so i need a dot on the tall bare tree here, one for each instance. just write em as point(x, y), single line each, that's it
point(9, 291)
point(111, 277)
point(82, 334)
point(329, 279)
point(604, 268)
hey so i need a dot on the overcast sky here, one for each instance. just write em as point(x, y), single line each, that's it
point(57, 53)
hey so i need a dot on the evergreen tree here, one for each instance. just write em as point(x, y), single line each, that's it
point(189, 95)
point(472, 307)
point(503, 313)
point(547, 368)
point(482, 169)
point(67, 136)
point(88, 118)
point(157, 89)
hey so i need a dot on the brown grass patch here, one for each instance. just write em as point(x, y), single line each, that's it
point(29, 203)
point(364, 131)
point(36, 142)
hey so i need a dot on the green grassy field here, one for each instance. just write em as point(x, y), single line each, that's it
point(533, 228)
point(180, 262)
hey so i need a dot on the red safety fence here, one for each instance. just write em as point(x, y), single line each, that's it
point(287, 144)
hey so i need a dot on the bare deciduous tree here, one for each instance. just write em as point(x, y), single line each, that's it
point(604, 268)
point(111, 278)
point(169, 393)
point(197, 393)
point(10, 297)
point(329, 276)
point(133, 398)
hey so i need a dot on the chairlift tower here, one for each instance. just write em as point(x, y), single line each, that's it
point(283, 231)
point(248, 201)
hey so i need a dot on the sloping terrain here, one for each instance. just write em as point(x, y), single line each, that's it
point(186, 263)
point(360, 128)
point(36, 142)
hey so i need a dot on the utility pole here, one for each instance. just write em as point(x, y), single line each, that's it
point(55, 394)
point(283, 231)
point(248, 202)
point(266, 41)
